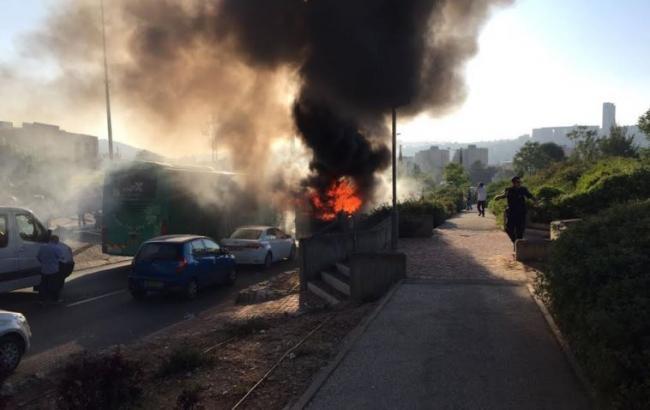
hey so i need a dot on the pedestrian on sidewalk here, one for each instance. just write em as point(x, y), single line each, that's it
point(469, 199)
point(481, 199)
point(50, 256)
point(515, 216)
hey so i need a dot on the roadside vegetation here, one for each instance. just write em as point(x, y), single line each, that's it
point(441, 201)
point(597, 279)
point(214, 361)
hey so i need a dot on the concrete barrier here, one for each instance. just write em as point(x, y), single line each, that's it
point(321, 252)
point(557, 227)
point(372, 274)
point(527, 250)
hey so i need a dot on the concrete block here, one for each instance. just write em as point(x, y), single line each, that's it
point(557, 227)
point(373, 274)
point(532, 250)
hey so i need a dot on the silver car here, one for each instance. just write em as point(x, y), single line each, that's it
point(15, 336)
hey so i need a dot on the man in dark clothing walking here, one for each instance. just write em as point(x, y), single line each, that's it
point(50, 256)
point(516, 211)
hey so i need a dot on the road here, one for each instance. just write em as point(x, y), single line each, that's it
point(98, 311)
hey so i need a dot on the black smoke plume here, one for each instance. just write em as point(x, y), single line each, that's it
point(352, 60)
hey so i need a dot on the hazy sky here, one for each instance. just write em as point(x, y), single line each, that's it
point(542, 63)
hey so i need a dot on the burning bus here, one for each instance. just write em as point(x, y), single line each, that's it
point(148, 199)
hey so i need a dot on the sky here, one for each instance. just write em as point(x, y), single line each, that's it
point(541, 63)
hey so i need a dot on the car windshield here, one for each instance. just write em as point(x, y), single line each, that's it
point(247, 233)
point(159, 252)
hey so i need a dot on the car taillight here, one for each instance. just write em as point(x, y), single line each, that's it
point(182, 264)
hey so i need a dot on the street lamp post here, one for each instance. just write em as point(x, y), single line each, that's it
point(107, 88)
point(394, 214)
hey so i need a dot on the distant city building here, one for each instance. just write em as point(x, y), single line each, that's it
point(432, 160)
point(558, 135)
point(50, 141)
point(609, 117)
point(470, 155)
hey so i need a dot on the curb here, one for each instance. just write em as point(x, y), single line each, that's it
point(350, 340)
point(566, 349)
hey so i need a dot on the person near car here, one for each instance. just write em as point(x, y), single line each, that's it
point(481, 199)
point(67, 263)
point(50, 257)
point(515, 216)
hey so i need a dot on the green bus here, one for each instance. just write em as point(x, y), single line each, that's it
point(148, 199)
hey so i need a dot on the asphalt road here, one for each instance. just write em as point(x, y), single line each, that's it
point(98, 311)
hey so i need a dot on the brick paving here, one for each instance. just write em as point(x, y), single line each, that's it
point(465, 247)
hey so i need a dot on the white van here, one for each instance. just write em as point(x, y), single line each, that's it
point(21, 236)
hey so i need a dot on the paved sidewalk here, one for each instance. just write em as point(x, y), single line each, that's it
point(462, 333)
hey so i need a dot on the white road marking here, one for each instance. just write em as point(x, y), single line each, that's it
point(81, 302)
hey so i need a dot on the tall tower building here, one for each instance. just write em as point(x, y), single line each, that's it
point(609, 117)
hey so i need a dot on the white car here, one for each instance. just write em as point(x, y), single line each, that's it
point(260, 245)
point(21, 236)
point(15, 336)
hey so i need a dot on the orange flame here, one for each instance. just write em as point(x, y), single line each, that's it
point(341, 197)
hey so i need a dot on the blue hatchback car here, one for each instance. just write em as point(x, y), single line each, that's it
point(180, 263)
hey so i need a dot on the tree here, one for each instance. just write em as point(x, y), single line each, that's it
point(553, 152)
point(586, 143)
point(455, 175)
point(618, 144)
point(533, 157)
point(644, 124)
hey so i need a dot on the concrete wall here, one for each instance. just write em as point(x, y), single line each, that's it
point(532, 250)
point(372, 274)
point(320, 252)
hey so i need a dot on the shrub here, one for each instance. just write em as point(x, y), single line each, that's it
point(598, 288)
point(101, 381)
point(182, 360)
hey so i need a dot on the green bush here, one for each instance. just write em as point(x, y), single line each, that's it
point(598, 288)
point(604, 169)
point(101, 381)
point(440, 205)
point(564, 193)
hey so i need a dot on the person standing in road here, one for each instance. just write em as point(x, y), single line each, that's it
point(67, 264)
point(481, 199)
point(515, 216)
point(50, 256)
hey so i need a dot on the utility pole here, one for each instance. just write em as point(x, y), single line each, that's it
point(394, 214)
point(106, 84)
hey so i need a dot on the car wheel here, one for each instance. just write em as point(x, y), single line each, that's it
point(192, 290)
point(232, 276)
point(11, 351)
point(292, 253)
point(138, 294)
point(268, 260)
